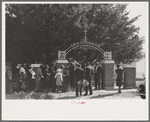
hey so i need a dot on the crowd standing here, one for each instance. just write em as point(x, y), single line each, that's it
point(59, 79)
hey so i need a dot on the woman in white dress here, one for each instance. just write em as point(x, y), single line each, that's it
point(59, 79)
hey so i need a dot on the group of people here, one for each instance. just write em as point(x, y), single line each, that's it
point(35, 79)
point(53, 79)
point(75, 75)
point(82, 76)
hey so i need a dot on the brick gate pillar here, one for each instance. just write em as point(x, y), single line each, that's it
point(107, 74)
point(129, 76)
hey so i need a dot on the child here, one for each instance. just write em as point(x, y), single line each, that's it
point(59, 79)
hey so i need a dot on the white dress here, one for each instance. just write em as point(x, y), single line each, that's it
point(59, 79)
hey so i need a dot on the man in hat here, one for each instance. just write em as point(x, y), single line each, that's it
point(97, 74)
point(89, 75)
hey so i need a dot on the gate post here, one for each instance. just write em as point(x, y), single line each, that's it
point(129, 76)
point(107, 74)
point(107, 71)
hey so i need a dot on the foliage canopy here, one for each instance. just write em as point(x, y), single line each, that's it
point(35, 32)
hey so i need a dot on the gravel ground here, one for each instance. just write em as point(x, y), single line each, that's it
point(97, 94)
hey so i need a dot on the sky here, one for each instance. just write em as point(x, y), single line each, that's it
point(141, 8)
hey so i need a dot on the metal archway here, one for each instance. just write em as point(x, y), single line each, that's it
point(62, 54)
point(85, 45)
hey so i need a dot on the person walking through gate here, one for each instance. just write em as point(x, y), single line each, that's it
point(119, 74)
point(89, 75)
point(79, 79)
point(97, 75)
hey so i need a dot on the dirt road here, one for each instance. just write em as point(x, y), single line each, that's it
point(97, 94)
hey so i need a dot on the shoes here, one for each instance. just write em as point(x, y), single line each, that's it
point(95, 89)
point(85, 94)
point(90, 93)
point(119, 92)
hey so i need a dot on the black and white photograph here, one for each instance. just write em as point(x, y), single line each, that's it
point(75, 56)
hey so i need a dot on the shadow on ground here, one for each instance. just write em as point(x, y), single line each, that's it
point(88, 97)
point(67, 97)
point(102, 96)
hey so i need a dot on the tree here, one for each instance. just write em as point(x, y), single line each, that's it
point(46, 27)
point(37, 31)
point(110, 27)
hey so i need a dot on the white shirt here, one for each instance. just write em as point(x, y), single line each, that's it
point(33, 74)
point(22, 70)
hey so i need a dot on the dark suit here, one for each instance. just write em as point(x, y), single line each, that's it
point(52, 79)
point(46, 79)
point(30, 81)
point(97, 76)
point(89, 75)
point(79, 77)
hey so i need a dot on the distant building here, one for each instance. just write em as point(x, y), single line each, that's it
point(141, 68)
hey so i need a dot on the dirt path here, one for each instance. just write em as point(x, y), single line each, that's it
point(97, 94)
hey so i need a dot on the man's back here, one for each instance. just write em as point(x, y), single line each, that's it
point(38, 73)
point(78, 73)
point(90, 71)
point(72, 68)
point(98, 69)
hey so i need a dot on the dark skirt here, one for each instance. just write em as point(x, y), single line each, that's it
point(119, 81)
